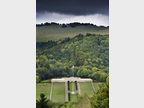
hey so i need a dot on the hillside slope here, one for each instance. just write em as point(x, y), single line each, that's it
point(88, 53)
point(56, 32)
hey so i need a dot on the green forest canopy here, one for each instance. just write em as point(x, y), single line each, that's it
point(88, 53)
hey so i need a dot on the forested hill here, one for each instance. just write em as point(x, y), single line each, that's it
point(89, 53)
point(55, 31)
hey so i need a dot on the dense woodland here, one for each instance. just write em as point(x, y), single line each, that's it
point(89, 54)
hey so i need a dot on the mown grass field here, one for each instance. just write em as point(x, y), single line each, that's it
point(72, 86)
point(86, 87)
point(41, 88)
point(73, 97)
point(56, 32)
point(58, 92)
point(96, 85)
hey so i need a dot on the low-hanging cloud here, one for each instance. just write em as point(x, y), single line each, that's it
point(97, 19)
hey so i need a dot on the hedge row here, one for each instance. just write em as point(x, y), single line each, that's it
point(68, 86)
point(69, 96)
point(76, 84)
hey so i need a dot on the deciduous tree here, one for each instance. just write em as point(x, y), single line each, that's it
point(101, 98)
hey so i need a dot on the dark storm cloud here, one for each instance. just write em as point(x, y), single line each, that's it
point(74, 7)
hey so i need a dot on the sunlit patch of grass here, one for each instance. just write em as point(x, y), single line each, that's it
point(58, 92)
point(56, 32)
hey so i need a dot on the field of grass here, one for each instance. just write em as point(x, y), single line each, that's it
point(58, 92)
point(73, 97)
point(96, 85)
point(86, 87)
point(72, 85)
point(41, 88)
point(56, 32)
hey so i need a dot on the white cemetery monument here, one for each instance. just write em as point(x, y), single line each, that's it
point(71, 79)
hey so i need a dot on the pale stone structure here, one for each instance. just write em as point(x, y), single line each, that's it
point(71, 79)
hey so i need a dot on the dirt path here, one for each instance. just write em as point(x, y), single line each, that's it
point(79, 92)
point(93, 86)
point(66, 91)
point(51, 90)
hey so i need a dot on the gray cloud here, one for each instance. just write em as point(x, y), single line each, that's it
point(74, 7)
point(66, 11)
point(97, 19)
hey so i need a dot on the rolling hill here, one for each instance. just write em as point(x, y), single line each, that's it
point(55, 31)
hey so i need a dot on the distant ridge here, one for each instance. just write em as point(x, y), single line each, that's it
point(55, 31)
point(70, 24)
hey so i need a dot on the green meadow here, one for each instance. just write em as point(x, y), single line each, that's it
point(56, 32)
point(72, 86)
point(73, 98)
point(86, 87)
point(96, 85)
point(41, 88)
point(58, 92)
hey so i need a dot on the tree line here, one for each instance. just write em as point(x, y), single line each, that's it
point(74, 24)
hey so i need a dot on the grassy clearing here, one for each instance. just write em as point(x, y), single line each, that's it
point(73, 97)
point(41, 88)
point(96, 85)
point(55, 32)
point(72, 85)
point(86, 87)
point(58, 92)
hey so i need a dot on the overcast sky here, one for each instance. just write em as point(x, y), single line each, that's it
point(67, 11)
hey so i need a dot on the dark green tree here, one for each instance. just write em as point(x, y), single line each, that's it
point(43, 72)
point(42, 102)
